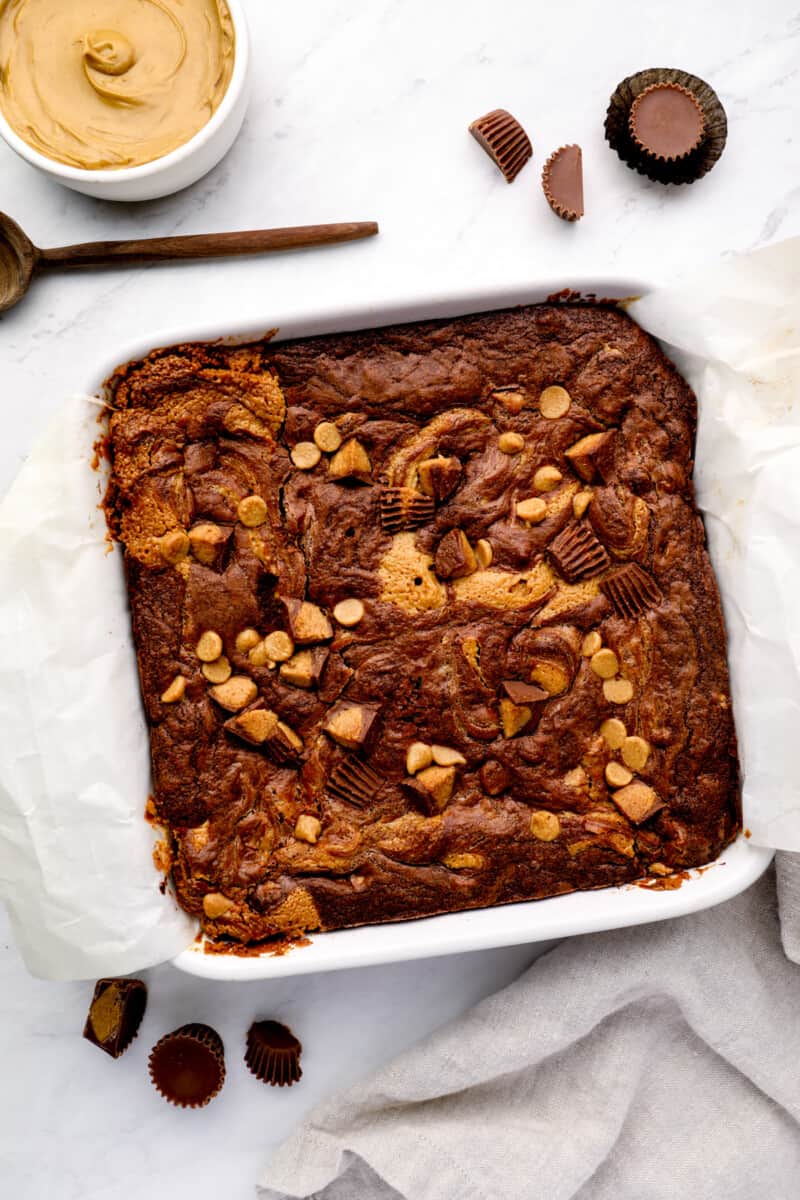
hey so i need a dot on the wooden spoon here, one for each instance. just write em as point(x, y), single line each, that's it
point(20, 260)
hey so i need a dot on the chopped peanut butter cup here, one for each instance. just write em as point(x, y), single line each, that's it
point(354, 781)
point(631, 590)
point(115, 1014)
point(577, 554)
point(187, 1066)
point(403, 508)
point(504, 140)
point(562, 183)
point(273, 1053)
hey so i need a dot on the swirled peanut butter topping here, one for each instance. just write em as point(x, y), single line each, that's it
point(112, 83)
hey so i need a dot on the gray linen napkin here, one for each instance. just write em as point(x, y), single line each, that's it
point(658, 1061)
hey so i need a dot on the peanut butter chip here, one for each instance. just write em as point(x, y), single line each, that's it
point(237, 692)
point(614, 733)
point(217, 671)
point(617, 775)
point(175, 690)
point(216, 905)
point(547, 478)
point(545, 826)
point(252, 511)
point(327, 437)
point(484, 553)
point(446, 756)
point(308, 828)
point(591, 644)
point(279, 646)
point(259, 658)
point(247, 639)
point(618, 691)
point(635, 752)
point(510, 443)
point(174, 546)
point(580, 503)
point(532, 510)
point(207, 542)
point(305, 455)
point(463, 862)
point(209, 648)
point(554, 402)
point(418, 756)
point(348, 612)
point(604, 663)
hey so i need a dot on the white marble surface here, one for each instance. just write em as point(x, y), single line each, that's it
point(359, 111)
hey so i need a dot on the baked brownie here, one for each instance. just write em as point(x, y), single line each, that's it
point(424, 617)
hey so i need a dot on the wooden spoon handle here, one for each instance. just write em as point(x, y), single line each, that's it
point(203, 245)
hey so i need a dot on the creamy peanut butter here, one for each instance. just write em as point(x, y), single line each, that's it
point(112, 83)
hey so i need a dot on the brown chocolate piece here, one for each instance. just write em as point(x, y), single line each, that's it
point(562, 182)
point(455, 557)
point(504, 140)
point(187, 1066)
point(273, 1053)
point(691, 166)
point(577, 554)
point(439, 477)
point(631, 590)
point(666, 121)
point(494, 777)
point(524, 693)
point(354, 781)
point(115, 1014)
point(403, 508)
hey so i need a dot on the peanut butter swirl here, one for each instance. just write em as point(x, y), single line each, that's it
point(112, 83)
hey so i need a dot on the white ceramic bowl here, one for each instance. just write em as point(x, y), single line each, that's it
point(173, 171)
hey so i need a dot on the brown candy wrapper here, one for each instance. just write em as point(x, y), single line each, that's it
point(273, 1053)
point(693, 165)
point(187, 1066)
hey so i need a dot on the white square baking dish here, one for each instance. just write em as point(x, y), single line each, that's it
point(527, 922)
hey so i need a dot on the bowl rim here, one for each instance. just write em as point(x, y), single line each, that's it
point(157, 166)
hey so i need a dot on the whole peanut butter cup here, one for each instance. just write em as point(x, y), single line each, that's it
point(187, 1066)
point(562, 182)
point(504, 140)
point(666, 122)
point(642, 147)
point(273, 1053)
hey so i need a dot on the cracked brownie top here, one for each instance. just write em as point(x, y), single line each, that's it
point(424, 617)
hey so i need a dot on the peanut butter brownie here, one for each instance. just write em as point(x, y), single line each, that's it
point(424, 617)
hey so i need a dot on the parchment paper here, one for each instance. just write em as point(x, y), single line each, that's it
point(76, 868)
point(75, 853)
